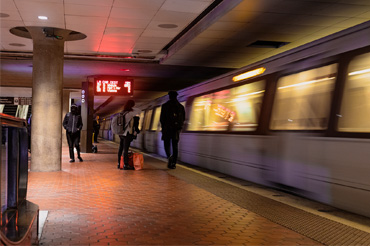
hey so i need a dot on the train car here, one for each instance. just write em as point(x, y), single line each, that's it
point(298, 121)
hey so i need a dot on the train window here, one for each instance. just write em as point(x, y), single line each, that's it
point(302, 100)
point(355, 110)
point(141, 121)
point(157, 114)
point(107, 124)
point(235, 109)
point(148, 117)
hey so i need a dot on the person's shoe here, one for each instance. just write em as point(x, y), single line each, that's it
point(128, 168)
point(72, 160)
point(169, 164)
point(80, 159)
point(172, 166)
point(118, 165)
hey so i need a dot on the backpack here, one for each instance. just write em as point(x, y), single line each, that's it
point(118, 124)
point(133, 127)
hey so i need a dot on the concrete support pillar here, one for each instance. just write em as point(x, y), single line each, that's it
point(47, 94)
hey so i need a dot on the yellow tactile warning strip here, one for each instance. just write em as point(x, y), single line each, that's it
point(320, 229)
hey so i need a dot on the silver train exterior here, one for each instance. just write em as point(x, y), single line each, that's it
point(302, 125)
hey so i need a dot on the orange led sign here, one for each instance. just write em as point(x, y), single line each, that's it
point(113, 86)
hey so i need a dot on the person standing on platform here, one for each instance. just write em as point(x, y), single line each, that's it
point(132, 129)
point(96, 126)
point(72, 123)
point(172, 119)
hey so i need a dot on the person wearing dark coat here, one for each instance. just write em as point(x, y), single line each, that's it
point(96, 127)
point(72, 123)
point(172, 119)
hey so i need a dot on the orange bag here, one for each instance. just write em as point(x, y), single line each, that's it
point(130, 160)
point(138, 160)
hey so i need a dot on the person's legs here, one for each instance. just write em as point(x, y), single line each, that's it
point(127, 141)
point(175, 150)
point(96, 136)
point(70, 145)
point(167, 147)
point(77, 145)
point(120, 149)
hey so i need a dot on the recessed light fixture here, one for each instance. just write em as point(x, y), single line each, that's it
point(267, 44)
point(144, 51)
point(168, 26)
point(125, 70)
point(41, 17)
point(17, 44)
point(3, 15)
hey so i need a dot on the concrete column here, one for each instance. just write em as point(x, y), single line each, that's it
point(47, 94)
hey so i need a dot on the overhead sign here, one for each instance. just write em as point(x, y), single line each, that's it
point(113, 87)
point(16, 100)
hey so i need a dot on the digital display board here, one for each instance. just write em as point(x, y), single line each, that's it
point(113, 87)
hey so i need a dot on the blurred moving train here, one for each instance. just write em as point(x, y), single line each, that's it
point(298, 121)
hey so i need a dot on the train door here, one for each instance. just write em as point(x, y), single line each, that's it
point(155, 129)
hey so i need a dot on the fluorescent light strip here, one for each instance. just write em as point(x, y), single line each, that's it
point(306, 83)
point(41, 17)
point(360, 72)
point(249, 74)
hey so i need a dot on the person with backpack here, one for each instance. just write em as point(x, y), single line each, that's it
point(72, 123)
point(129, 121)
point(172, 119)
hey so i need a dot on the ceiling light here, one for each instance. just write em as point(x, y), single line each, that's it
point(144, 51)
point(267, 44)
point(17, 44)
point(41, 17)
point(3, 15)
point(125, 70)
point(168, 26)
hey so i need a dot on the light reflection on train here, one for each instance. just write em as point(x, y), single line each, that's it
point(302, 125)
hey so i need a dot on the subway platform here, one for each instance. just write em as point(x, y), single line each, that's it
point(94, 203)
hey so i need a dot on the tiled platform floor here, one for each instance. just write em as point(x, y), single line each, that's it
point(94, 203)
